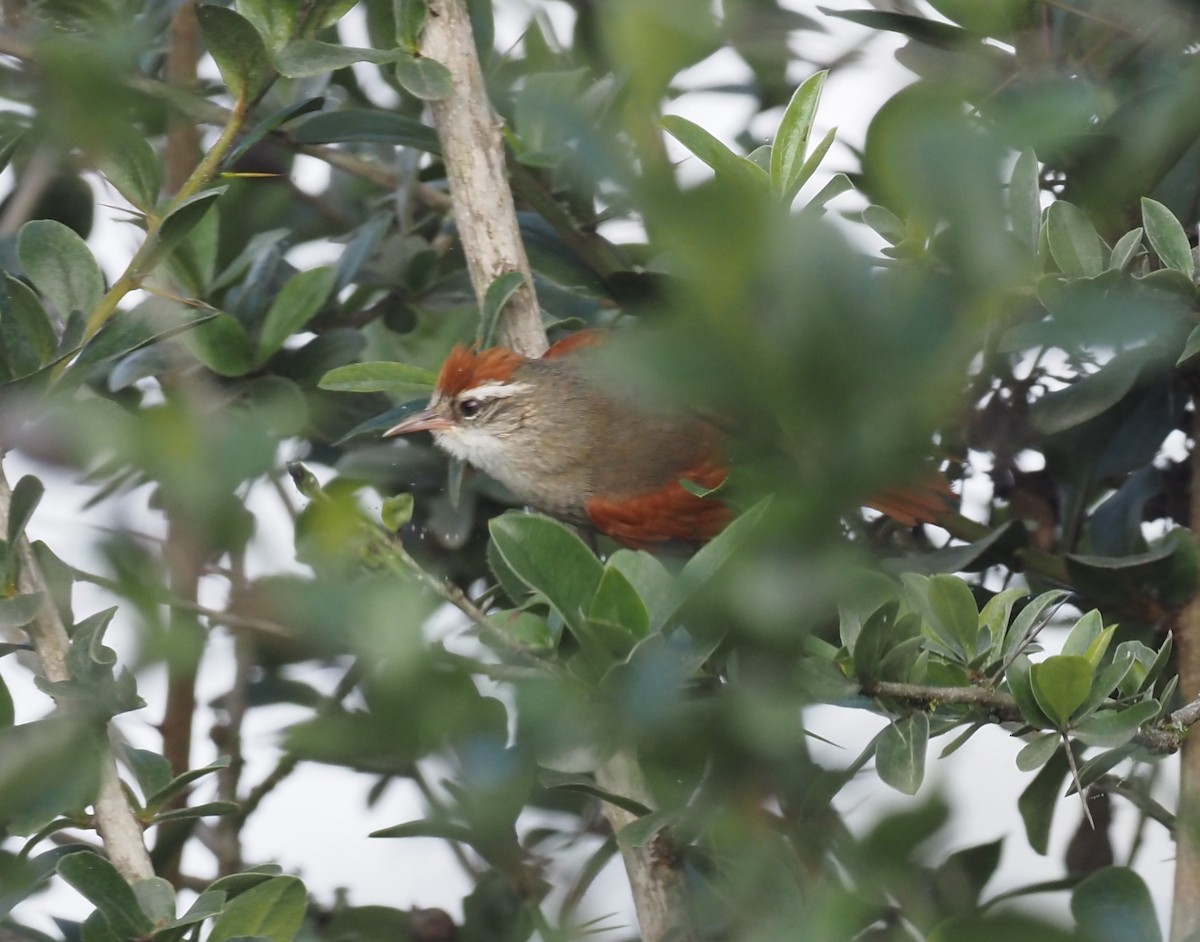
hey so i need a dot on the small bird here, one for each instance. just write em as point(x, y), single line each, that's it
point(548, 430)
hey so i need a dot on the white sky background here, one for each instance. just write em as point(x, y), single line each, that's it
point(330, 849)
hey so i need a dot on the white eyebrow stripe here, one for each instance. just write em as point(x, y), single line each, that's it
point(493, 391)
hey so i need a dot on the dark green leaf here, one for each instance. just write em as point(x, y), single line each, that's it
point(641, 832)
point(714, 555)
point(946, 604)
point(423, 77)
point(383, 376)
point(650, 578)
point(446, 830)
point(184, 217)
point(272, 910)
point(1074, 243)
point(498, 294)
point(410, 17)
point(152, 770)
point(209, 809)
point(208, 904)
point(1031, 618)
point(7, 713)
point(237, 49)
point(1113, 905)
point(222, 345)
point(355, 125)
point(551, 560)
point(1098, 766)
point(1061, 685)
point(153, 320)
point(180, 783)
point(573, 781)
point(105, 888)
point(1020, 684)
point(1038, 800)
point(1168, 238)
point(1087, 397)
point(131, 165)
point(60, 265)
point(300, 300)
point(26, 334)
point(617, 603)
point(271, 123)
point(900, 753)
point(48, 768)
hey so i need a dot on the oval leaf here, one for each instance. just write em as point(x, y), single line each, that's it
point(60, 265)
point(237, 49)
point(423, 77)
point(900, 753)
point(296, 304)
point(1061, 684)
point(1114, 905)
point(272, 910)
point(1074, 242)
point(382, 376)
point(1167, 237)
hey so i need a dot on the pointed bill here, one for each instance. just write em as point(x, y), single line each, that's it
point(424, 421)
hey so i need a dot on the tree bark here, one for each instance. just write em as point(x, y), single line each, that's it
point(1185, 917)
point(119, 828)
point(473, 150)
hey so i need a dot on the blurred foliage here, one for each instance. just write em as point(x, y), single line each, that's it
point(1024, 316)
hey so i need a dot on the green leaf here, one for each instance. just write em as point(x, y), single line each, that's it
point(156, 897)
point(1030, 618)
point(297, 303)
point(152, 320)
point(885, 222)
point(1084, 634)
point(900, 753)
point(498, 294)
point(19, 610)
point(131, 165)
point(423, 77)
point(724, 162)
point(396, 511)
point(1190, 347)
point(1037, 752)
point(655, 586)
point(711, 558)
point(272, 910)
point(275, 20)
point(551, 560)
point(1089, 396)
point(7, 712)
point(1024, 199)
point(237, 49)
point(27, 335)
point(208, 904)
point(791, 141)
point(1074, 243)
point(1126, 249)
point(383, 376)
point(26, 495)
point(641, 832)
point(445, 830)
point(1039, 799)
point(209, 809)
point(362, 126)
point(48, 768)
point(410, 18)
point(1020, 684)
point(946, 604)
point(152, 770)
point(180, 783)
point(1114, 905)
point(1168, 238)
point(617, 603)
point(60, 265)
point(306, 57)
point(1061, 685)
point(105, 888)
point(222, 345)
point(575, 782)
point(1110, 728)
point(183, 218)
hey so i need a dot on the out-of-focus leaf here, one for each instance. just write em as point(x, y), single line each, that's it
point(1114, 905)
point(60, 265)
point(1168, 238)
point(275, 20)
point(305, 57)
point(1039, 799)
point(19, 610)
point(131, 165)
point(573, 781)
point(26, 495)
point(1024, 198)
point(1126, 249)
point(27, 337)
point(1089, 396)
point(183, 218)
point(1074, 243)
point(1037, 752)
point(900, 753)
point(237, 49)
point(498, 294)
point(361, 125)
point(1110, 728)
point(617, 603)
point(724, 162)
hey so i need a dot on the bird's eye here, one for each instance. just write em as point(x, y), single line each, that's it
point(469, 408)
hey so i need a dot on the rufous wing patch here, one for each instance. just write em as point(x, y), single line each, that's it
point(671, 514)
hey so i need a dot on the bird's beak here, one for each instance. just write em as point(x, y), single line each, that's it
point(424, 421)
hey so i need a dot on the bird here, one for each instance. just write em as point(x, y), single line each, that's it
point(553, 432)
